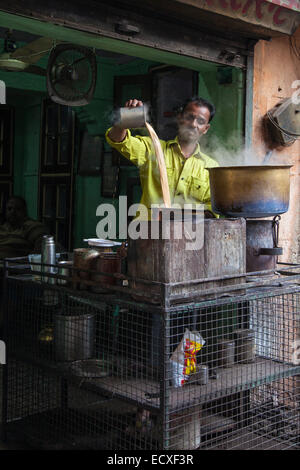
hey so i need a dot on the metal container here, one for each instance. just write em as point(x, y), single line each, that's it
point(130, 118)
point(167, 260)
point(201, 374)
point(261, 245)
point(85, 259)
point(64, 269)
point(74, 336)
point(226, 351)
point(106, 263)
point(250, 191)
point(245, 346)
point(48, 257)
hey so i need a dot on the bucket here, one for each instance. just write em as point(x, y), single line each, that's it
point(74, 336)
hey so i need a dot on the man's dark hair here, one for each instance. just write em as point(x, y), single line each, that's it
point(199, 102)
point(21, 200)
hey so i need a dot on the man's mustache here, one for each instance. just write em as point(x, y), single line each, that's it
point(188, 132)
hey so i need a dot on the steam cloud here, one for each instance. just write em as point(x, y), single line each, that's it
point(232, 153)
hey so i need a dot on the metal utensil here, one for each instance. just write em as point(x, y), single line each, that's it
point(48, 257)
point(74, 336)
point(64, 268)
point(131, 118)
point(250, 191)
point(91, 368)
point(267, 157)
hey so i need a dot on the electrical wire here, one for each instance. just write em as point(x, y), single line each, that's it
point(33, 54)
point(294, 47)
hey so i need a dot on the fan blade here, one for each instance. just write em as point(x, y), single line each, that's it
point(36, 70)
point(33, 51)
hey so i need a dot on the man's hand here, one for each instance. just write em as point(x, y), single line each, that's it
point(117, 133)
point(209, 215)
point(133, 103)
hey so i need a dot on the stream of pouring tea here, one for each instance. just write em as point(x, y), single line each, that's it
point(161, 164)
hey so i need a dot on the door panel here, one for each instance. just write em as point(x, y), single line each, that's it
point(56, 171)
point(6, 154)
point(171, 88)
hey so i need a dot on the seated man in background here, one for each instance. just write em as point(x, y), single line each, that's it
point(20, 235)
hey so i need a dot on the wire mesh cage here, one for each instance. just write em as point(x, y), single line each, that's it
point(235, 383)
point(95, 371)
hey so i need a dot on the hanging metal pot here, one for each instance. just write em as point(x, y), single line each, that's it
point(250, 191)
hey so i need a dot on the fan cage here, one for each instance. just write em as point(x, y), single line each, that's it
point(71, 74)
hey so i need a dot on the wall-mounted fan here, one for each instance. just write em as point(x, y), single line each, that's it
point(71, 74)
point(23, 59)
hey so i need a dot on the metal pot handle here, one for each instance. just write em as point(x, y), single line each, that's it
point(276, 250)
point(271, 251)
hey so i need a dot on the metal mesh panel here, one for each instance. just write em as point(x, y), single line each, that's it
point(96, 371)
point(247, 395)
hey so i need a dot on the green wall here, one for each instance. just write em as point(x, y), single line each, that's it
point(224, 86)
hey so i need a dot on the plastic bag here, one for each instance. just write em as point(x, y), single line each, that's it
point(183, 360)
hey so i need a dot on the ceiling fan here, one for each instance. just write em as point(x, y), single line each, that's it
point(23, 59)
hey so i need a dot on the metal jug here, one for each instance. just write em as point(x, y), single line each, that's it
point(131, 118)
point(48, 257)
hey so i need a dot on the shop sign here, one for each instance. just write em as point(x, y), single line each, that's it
point(278, 15)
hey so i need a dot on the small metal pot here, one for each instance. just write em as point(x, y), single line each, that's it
point(244, 346)
point(74, 336)
point(250, 191)
point(109, 263)
point(64, 269)
point(226, 349)
point(132, 118)
point(85, 259)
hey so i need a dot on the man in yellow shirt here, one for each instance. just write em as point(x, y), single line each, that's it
point(185, 163)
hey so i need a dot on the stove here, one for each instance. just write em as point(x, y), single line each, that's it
point(262, 244)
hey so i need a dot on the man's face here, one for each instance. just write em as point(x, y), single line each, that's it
point(193, 123)
point(15, 212)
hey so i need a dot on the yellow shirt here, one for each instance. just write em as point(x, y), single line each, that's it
point(188, 178)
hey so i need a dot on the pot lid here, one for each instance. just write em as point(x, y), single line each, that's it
point(101, 242)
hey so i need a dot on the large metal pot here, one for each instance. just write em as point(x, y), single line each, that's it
point(250, 191)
